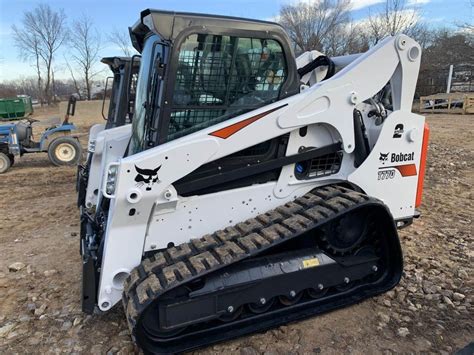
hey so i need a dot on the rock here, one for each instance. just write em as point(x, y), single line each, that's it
point(49, 273)
point(16, 267)
point(69, 343)
point(112, 351)
point(401, 296)
point(24, 318)
point(77, 321)
point(431, 297)
point(403, 332)
point(458, 296)
point(6, 329)
point(463, 274)
point(448, 301)
point(39, 311)
point(428, 287)
point(33, 341)
point(96, 349)
point(262, 348)
point(387, 303)
point(33, 296)
point(125, 351)
point(385, 318)
point(12, 335)
point(30, 269)
point(248, 351)
point(66, 326)
point(73, 234)
point(31, 307)
point(125, 332)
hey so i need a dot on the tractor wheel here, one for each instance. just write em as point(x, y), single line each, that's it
point(4, 163)
point(12, 159)
point(65, 151)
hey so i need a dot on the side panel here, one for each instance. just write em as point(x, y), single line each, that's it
point(390, 172)
point(196, 216)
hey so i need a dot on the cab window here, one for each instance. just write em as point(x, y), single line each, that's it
point(220, 77)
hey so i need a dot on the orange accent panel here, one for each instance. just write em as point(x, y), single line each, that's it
point(407, 170)
point(226, 132)
point(424, 153)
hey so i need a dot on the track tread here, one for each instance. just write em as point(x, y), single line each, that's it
point(165, 270)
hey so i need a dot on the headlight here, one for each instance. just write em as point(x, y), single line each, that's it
point(111, 178)
point(91, 147)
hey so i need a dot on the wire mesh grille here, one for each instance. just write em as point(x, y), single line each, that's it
point(219, 77)
point(325, 165)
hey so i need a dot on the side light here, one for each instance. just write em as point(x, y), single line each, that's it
point(110, 180)
point(91, 147)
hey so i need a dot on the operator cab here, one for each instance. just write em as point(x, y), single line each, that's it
point(199, 70)
point(122, 98)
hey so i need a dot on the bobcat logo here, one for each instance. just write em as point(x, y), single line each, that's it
point(147, 177)
point(384, 157)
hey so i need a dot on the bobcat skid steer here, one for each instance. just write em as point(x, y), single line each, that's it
point(120, 113)
point(254, 188)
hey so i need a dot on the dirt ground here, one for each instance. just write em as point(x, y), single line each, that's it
point(430, 311)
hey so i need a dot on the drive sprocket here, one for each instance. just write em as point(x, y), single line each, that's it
point(344, 235)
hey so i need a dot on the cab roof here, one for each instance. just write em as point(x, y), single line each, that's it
point(118, 60)
point(169, 24)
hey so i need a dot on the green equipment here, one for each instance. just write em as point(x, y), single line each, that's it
point(15, 108)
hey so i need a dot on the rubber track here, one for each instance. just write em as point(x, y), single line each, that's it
point(177, 265)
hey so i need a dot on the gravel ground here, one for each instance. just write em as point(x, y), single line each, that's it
point(430, 311)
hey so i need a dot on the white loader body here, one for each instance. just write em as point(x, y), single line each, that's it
point(148, 215)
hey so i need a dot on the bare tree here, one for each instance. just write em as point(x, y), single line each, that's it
point(27, 86)
point(312, 25)
point(122, 40)
point(74, 80)
point(346, 40)
point(86, 43)
point(42, 33)
point(29, 49)
point(448, 47)
point(396, 17)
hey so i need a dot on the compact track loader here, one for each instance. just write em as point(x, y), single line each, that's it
point(254, 188)
point(120, 113)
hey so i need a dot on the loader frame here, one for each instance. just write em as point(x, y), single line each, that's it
point(142, 218)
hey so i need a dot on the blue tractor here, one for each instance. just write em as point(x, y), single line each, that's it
point(16, 139)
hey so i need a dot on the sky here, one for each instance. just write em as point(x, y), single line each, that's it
point(120, 14)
